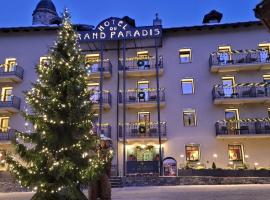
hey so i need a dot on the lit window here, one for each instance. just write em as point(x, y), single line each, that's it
point(187, 86)
point(143, 54)
point(224, 54)
point(4, 124)
point(185, 55)
point(189, 117)
point(10, 64)
point(235, 153)
point(44, 61)
point(224, 48)
point(6, 94)
point(92, 62)
point(94, 88)
point(264, 52)
point(193, 153)
point(266, 78)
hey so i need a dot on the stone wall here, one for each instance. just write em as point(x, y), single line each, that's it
point(8, 183)
point(154, 180)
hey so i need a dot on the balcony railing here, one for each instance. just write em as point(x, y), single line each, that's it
point(93, 69)
point(142, 96)
point(13, 71)
point(238, 58)
point(105, 129)
point(249, 90)
point(6, 135)
point(139, 64)
point(106, 96)
point(243, 127)
point(143, 130)
point(142, 167)
point(11, 102)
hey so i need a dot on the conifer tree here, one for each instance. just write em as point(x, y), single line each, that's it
point(62, 152)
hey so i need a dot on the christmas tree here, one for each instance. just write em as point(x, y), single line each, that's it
point(62, 152)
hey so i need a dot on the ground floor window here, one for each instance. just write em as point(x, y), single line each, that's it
point(235, 153)
point(169, 167)
point(142, 153)
point(192, 153)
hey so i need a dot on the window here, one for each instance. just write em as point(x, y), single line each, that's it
point(268, 112)
point(189, 117)
point(235, 153)
point(10, 64)
point(143, 90)
point(185, 55)
point(192, 152)
point(264, 52)
point(92, 62)
point(94, 88)
point(187, 86)
point(266, 78)
point(228, 86)
point(6, 94)
point(4, 124)
point(44, 61)
point(224, 49)
point(224, 54)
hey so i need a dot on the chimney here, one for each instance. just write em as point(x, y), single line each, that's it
point(212, 17)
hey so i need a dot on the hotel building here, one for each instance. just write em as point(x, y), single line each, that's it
point(180, 96)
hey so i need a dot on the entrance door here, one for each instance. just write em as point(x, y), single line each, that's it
point(232, 120)
point(143, 90)
point(228, 84)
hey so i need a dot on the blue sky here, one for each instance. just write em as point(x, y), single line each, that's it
point(173, 12)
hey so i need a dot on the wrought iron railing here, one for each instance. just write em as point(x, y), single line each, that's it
point(143, 130)
point(106, 96)
point(140, 64)
point(243, 127)
point(249, 90)
point(239, 57)
point(7, 134)
point(105, 129)
point(134, 167)
point(10, 101)
point(141, 96)
point(96, 67)
point(15, 70)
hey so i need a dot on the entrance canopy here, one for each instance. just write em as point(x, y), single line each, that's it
point(113, 30)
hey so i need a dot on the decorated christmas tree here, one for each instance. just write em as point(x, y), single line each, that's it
point(60, 152)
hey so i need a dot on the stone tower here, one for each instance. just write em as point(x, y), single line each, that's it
point(45, 13)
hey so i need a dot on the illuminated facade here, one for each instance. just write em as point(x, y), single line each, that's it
point(185, 96)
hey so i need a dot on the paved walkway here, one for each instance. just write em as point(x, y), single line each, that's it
point(220, 192)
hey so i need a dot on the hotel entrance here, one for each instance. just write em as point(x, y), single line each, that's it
point(142, 159)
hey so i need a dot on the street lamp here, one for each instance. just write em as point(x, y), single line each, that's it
point(262, 12)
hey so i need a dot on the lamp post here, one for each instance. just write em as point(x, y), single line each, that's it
point(262, 12)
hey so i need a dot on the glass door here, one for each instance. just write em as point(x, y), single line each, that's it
point(144, 122)
point(232, 120)
point(228, 86)
point(143, 90)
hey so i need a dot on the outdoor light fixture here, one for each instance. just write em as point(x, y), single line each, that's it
point(262, 12)
point(256, 164)
point(182, 156)
point(246, 156)
point(215, 155)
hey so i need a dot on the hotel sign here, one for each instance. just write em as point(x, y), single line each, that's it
point(117, 29)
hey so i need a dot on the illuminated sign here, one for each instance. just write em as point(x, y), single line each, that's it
point(117, 29)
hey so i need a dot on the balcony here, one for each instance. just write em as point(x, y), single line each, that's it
point(105, 130)
point(10, 105)
point(7, 135)
point(93, 70)
point(143, 132)
point(143, 98)
point(242, 60)
point(136, 67)
point(107, 100)
point(241, 94)
point(244, 128)
point(13, 75)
